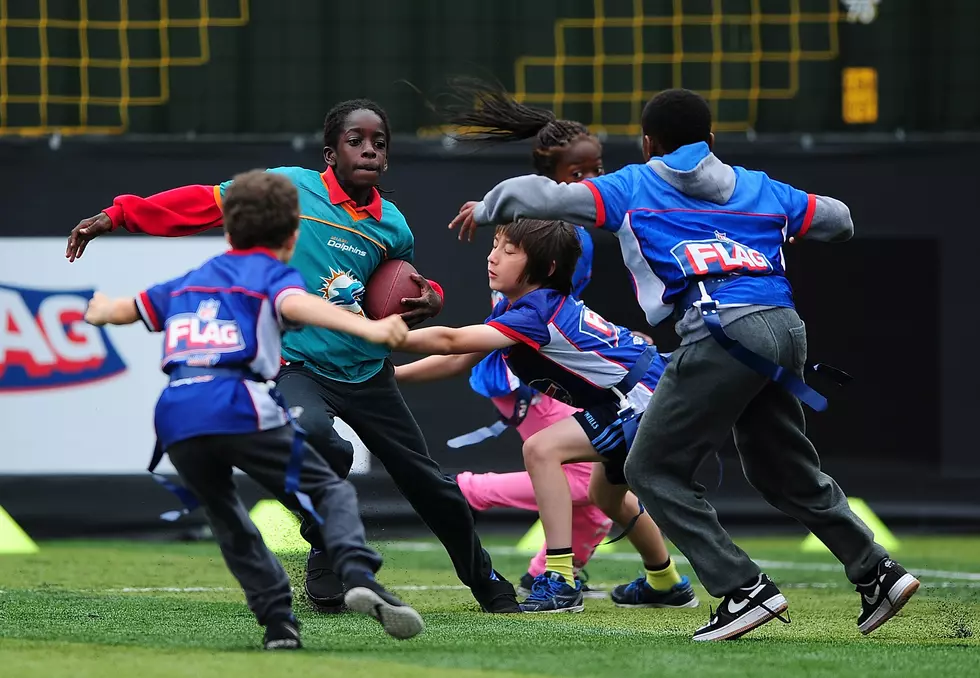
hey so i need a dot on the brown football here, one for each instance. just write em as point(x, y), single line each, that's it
point(389, 284)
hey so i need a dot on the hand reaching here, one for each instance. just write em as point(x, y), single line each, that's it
point(464, 220)
point(99, 309)
point(84, 232)
point(390, 331)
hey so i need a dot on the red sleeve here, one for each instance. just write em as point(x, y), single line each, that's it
point(438, 289)
point(180, 211)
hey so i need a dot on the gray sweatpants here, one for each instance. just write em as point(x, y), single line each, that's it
point(205, 466)
point(703, 395)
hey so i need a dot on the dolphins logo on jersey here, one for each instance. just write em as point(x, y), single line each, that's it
point(344, 290)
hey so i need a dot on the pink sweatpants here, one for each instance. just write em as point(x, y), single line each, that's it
point(487, 490)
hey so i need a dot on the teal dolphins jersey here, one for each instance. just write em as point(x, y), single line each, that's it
point(339, 246)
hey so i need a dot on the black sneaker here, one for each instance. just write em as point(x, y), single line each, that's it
point(282, 634)
point(497, 595)
point(885, 594)
point(398, 619)
point(524, 589)
point(638, 593)
point(324, 589)
point(745, 609)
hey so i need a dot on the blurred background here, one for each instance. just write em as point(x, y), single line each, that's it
point(874, 102)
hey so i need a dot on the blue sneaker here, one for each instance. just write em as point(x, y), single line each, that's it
point(551, 593)
point(638, 593)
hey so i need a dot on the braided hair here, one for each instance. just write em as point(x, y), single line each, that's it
point(333, 124)
point(479, 104)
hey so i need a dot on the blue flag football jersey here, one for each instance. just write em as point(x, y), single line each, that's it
point(569, 352)
point(223, 314)
point(670, 239)
point(490, 377)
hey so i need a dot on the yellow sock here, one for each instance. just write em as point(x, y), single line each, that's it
point(665, 579)
point(562, 564)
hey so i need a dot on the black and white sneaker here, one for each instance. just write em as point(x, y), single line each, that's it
point(743, 610)
point(884, 594)
point(282, 634)
point(398, 619)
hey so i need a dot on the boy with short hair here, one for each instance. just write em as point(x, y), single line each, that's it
point(556, 345)
point(222, 325)
point(704, 239)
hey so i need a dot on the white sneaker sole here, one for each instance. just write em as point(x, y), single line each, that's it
point(594, 594)
point(398, 621)
point(689, 604)
point(895, 600)
point(576, 608)
point(749, 621)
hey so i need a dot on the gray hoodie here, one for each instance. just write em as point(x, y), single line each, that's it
point(538, 197)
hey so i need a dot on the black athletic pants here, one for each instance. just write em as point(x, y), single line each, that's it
point(205, 466)
point(377, 413)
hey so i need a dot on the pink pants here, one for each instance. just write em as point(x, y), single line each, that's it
point(487, 490)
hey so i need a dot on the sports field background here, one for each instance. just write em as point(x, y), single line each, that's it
point(87, 609)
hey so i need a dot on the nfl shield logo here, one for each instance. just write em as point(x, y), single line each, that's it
point(208, 310)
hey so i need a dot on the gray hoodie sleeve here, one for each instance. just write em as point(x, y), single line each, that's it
point(536, 197)
point(831, 221)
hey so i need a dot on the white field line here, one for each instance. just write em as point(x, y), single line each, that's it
point(766, 564)
point(596, 586)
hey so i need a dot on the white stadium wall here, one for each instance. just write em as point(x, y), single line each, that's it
point(73, 399)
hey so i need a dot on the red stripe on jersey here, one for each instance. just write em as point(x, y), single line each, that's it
point(811, 207)
point(511, 333)
point(600, 207)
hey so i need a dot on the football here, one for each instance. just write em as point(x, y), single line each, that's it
point(389, 284)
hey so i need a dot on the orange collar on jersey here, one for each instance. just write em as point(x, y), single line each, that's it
point(338, 196)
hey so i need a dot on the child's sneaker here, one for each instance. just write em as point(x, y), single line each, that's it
point(884, 594)
point(527, 579)
point(398, 619)
point(282, 634)
point(745, 609)
point(324, 589)
point(638, 593)
point(524, 587)
point(496, 595)
point(551, 593)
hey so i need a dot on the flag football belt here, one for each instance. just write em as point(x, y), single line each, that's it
point(522, 404)
point(698, 295)
point(293, 468)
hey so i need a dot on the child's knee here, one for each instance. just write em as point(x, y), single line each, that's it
point(537, 452)
point(607, 504)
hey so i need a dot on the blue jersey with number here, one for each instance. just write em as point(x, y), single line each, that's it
point(569, 352)
point(670, 239)
point(223, 314)
point(490, 377)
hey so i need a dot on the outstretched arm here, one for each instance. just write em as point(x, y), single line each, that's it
point(531, 196)
point(179, 211)
point(437, 367)
point(830, 221)
point(306, 309)
point(455, 340)
point(105, 311)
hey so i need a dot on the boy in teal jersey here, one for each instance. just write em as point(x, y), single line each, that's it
point(341, 248)
point(346, 230)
